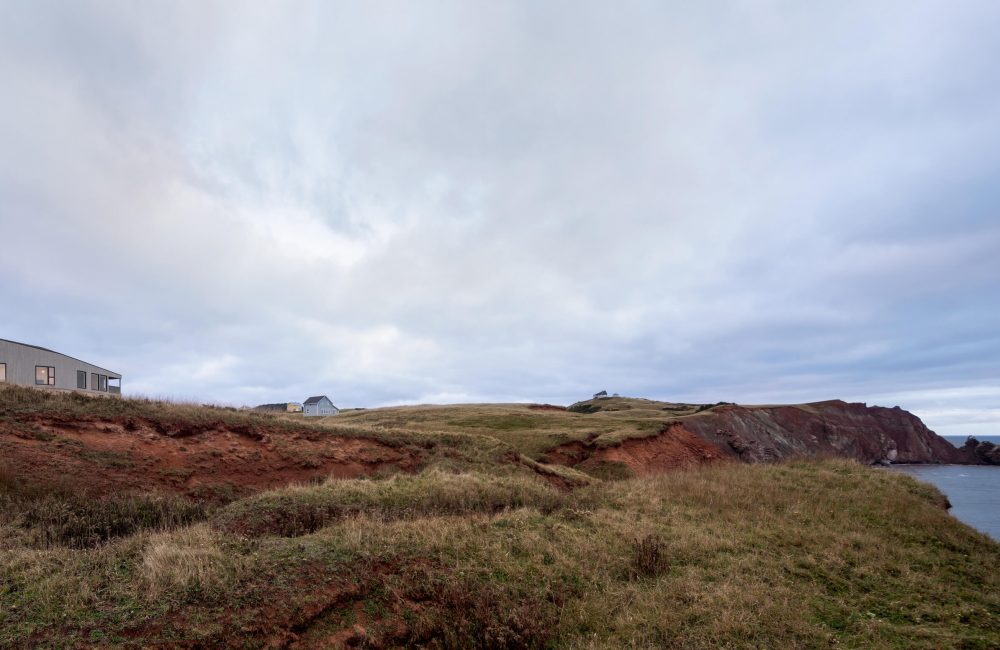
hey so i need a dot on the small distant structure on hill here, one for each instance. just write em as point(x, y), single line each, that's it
point(601, 394)
point(38, 367)
point(318, 406)
point(280, 407)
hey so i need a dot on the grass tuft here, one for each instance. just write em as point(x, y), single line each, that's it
point(190, 560)
point(648, 557)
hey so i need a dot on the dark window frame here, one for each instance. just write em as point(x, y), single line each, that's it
point(50, 378)
point(104, 383)
point(95, 381)
point(3, 380)
point(81, 378)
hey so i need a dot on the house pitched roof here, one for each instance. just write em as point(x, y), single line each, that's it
point(316, 400)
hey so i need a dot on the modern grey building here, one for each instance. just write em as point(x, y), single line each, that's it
point(30, 365)
point(319, 405)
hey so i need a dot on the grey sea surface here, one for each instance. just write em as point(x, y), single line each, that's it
point(958, 441)
point(973, 490)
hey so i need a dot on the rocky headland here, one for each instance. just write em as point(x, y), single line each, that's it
point(754, 434)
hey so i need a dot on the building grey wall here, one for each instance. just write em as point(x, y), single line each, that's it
point(322, 408)
point(21, 360)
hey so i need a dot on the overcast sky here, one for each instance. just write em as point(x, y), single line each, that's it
point(400, 202)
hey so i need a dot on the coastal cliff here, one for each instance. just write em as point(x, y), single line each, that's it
point(755, 434)
point(870, 434)
point(438, 525)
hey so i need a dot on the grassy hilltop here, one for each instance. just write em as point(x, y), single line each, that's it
point(137, 523)
point(535, 429)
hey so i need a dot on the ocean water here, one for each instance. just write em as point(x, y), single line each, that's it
point(958, 441)
point(973, 490)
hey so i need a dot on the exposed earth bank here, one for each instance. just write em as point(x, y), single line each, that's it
point(103, 455)
point(137, 523)
point(106, 446)
point(674, 447)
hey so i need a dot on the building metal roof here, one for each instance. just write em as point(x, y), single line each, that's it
point(315, 400)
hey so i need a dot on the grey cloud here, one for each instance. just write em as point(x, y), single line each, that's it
point(392, 202)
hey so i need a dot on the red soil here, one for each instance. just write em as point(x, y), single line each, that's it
point(673, 448)
point(103, 456)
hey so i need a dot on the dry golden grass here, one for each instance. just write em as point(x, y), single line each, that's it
point(478, 550)
point(795, 555)
point(530, 431)
point(184, 560)
point(303, 509)
point(788, 556)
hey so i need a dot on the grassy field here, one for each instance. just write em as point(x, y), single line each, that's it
point(530, 429)
point(479, 549)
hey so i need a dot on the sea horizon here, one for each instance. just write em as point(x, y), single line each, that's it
point(959, 441)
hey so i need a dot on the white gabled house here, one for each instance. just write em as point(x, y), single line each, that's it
point(318, 406)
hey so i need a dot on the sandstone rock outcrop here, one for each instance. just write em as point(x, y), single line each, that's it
point(756, 434)
point(870, 434)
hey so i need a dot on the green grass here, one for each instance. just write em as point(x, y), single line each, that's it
point(57, 515)
point(305, 509)
point(532, 432)
point(488, 548)
point(794, 555)
point(21, 408)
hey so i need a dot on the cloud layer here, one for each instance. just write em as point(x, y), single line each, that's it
point(399, 202)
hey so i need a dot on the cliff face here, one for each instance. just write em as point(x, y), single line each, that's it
point(695, 434)
point(869, 434)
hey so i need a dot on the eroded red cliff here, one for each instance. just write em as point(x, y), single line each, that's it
point(869, 434)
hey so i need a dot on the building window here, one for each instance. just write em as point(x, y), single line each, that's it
point(3, 372)
point(45, 376)
point(104, 384)
point(81, 379)
point(94, 381)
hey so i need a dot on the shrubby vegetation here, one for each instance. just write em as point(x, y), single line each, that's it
point(486, 548)
point(78, 521)
point(791, 555)
point(301, 510)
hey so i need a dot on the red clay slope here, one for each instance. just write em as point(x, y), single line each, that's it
point(673, 448)
point(103, 455)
